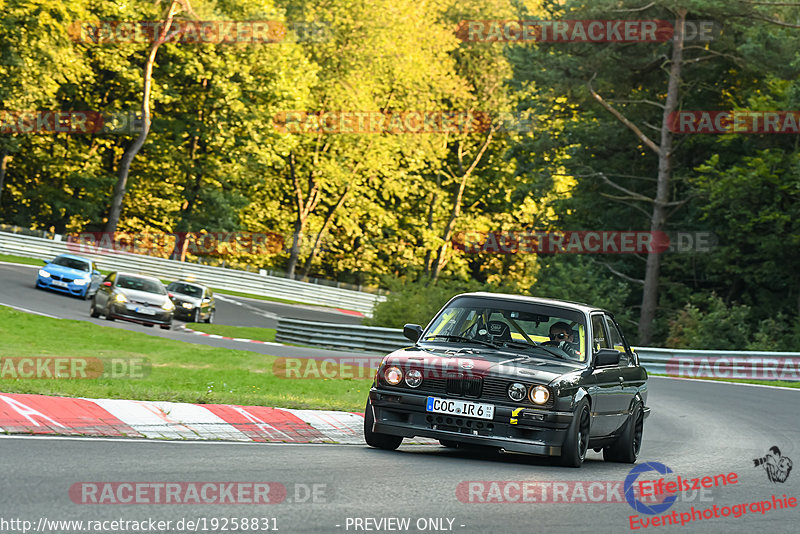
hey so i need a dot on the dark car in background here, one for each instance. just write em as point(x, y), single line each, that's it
point(193, 302)
point(133, 297)
point(519, 374)
point(70, 274)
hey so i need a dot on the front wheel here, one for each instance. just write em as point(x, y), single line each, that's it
point(573, 452)
point(374, 439)
point(627, 446)
point(196, 316)
point(93, 309)
point(210, 318)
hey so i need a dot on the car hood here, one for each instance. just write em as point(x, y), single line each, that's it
point(69, 272)
point(485, 362)
point(143, 296)
point(178, 297)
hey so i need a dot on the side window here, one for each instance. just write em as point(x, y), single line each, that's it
point(615, 337)
point(599, 333)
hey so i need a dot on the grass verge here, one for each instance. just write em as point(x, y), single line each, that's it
point(21, 259)
point(248, 332)
point(179, 372)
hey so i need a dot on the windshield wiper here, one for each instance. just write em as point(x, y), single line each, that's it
point(462, 338)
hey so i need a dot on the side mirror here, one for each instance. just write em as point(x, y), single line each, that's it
point(412, 332)
point(46, 261)
point(606, 357)
point(170, 295)
point(107, 284)
point(95, 273)
point(207, 299)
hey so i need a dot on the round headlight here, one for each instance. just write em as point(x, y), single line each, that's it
point(517, 391)
point(80, 281)
point(393, 375)
point(540, 395)
point(414, 378)
point(43, 273)
point(168, 305)
point(119, 297)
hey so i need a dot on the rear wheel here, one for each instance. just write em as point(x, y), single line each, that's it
point(573, 452)
point(374, 439)
point(210, 318)
point(196, 316)
point(627, 446)
point(166, 326)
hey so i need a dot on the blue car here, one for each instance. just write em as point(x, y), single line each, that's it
point(69, 274)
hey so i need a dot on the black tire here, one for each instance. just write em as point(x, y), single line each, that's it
point(573, 452)
point(210, 318)
point(196, 316)
point(450, 444)
point(109, 315)
point(166, 326)
point(626, 447)
point(379, 441)
point(93, 310)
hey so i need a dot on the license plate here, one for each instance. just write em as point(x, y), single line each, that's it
point(59, 283)
point(459, 407)
point(145, 311)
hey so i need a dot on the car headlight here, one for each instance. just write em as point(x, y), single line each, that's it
point(119, 297)
point(414, 378)
point(517, 391)
point(43, 273)
point(80, 282)
point(393, 375)
point(168, 306)
point(540, 395)
point(187, 305)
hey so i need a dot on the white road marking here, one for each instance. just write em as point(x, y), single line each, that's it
point(26, 310)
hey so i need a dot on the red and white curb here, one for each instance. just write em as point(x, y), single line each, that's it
point(41, 414)
point(241, 339)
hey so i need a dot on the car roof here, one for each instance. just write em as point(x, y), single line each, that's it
point(578, 306)
point(136, 275)
point(74, 257)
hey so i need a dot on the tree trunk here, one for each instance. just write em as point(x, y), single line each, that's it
point(658, 218)
point(133, 148)
point(328, 219)
point(456, 211)
point(304, 207)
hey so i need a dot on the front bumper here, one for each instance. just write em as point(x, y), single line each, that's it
point(128, 312)
point(529, 430)
point(71, 288)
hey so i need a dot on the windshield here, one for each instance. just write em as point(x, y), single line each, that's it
point(546, 330)
point(72, 263)
point(141, 284)
point(186, 289)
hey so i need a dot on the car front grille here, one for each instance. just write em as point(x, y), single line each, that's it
point(62, 278)
point(484, 388)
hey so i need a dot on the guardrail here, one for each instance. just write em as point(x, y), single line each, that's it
point(217, 277)
point(340, 336)
point(674, 362)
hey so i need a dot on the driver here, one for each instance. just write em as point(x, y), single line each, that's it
point(562, 336)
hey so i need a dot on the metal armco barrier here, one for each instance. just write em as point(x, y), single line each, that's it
point(674, 362)
point(216, 277)
point(341, 336)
